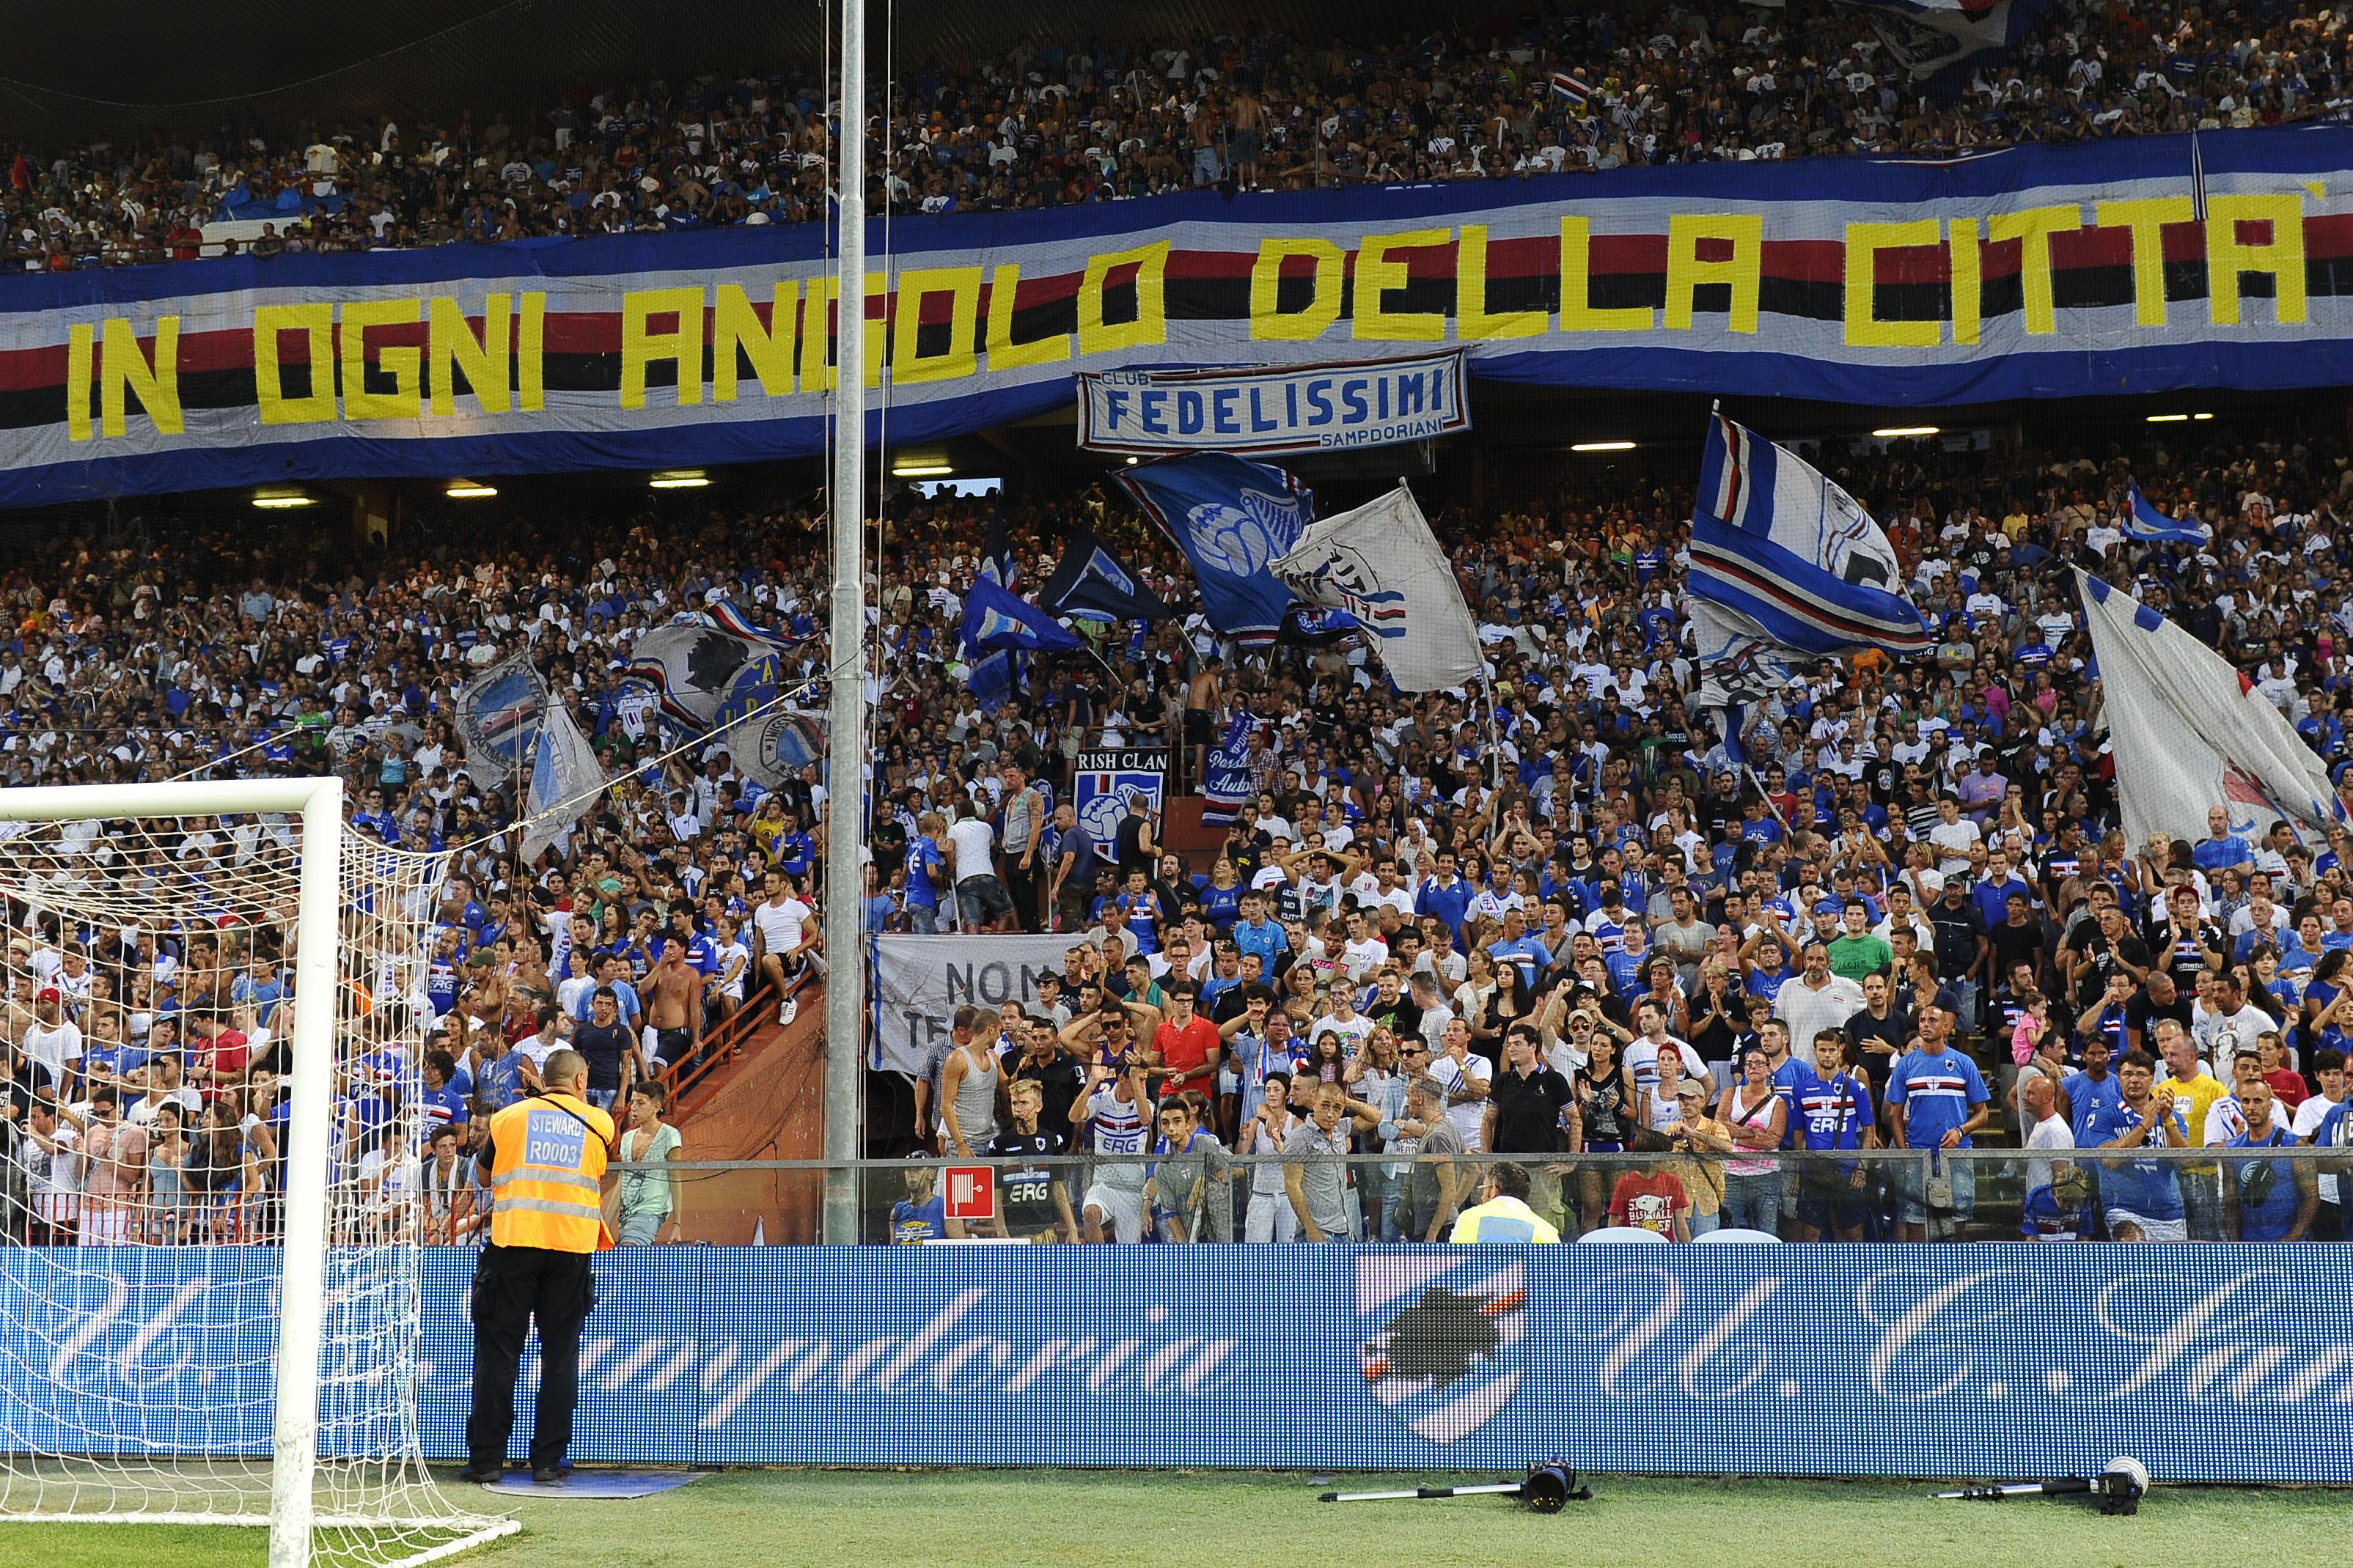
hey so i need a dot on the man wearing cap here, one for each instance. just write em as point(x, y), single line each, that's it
point(544, 1161)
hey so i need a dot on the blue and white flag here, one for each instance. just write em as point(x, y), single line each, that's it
point(1778, 543)
point(565, 780)
point(2153, 527)
point(1091, 584)
point(1786, 568)
point(994, 619)
point(1571, 88)
point(498, 713)
point(1227, 785)
point(998, 563)
point(1382, 566)
point(1937, 40)
point(1232, 518)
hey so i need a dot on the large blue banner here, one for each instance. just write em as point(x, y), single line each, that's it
point(2209, 1362)
point(2140, 264)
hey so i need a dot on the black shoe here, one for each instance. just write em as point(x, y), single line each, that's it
point(549, 1475)
point(477, 1476)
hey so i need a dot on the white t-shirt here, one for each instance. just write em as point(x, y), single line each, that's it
point(780, 925)
point(1955, 839)
point(1352, 1030)
point(1641, 1060)
point(2051, 1132)
point(970, 841)
point(53, 1046)
point(1361, 958)
point(2225, 1120)
point(1469, 1117)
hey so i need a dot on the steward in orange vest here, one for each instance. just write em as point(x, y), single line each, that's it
point(546, 1166)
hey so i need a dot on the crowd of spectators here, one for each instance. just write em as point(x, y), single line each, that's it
point(1054, 122)
point(1566, 929)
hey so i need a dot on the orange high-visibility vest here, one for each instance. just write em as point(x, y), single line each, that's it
point(547, 1160)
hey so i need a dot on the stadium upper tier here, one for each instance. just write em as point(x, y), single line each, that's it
point(1061, 120)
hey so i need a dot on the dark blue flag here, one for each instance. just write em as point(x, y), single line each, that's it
point(1231, 518)
point(993, 678)
point(994, 619)
point(1091, 584)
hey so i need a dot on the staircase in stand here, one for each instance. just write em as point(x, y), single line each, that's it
point(756, 1091)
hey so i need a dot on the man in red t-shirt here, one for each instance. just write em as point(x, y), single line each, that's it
point(218, 1060)
point(1186, 1047)
point(1651, 1199)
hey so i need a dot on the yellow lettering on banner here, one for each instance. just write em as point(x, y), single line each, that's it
point(2147, 221)
point(450, 347)
point(1004, 354)
point(962, 285)
point(641, 345)
point(736, 327)
point(1864, 327)
point(1472, 321)
point(530, 353)
point(2282, 256)
point(1577, 312)
point(400, 360)
point(318, 323)
point(816, 347)
point(124, 369)
point(78, 354)
point(2032, 228)
point(1377, 275)
point(1151, 324)
point(1269, 321)
point(1968, 279)
point(1743, 270)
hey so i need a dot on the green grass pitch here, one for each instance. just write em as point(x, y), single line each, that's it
point(1208, 1519)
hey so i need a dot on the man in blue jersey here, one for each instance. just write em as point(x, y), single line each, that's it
point(2141, 1199)
point(2266, 1200)
point(1830, 1109)
point(1935, 1099)
point(1445, 894)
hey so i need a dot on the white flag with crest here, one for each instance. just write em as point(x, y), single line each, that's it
point(1381, 564)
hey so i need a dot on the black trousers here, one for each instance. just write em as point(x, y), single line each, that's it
point(513, 1285)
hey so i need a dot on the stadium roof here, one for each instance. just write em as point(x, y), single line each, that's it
point(190, 69)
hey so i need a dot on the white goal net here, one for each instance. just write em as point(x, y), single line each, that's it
point(177, 1098)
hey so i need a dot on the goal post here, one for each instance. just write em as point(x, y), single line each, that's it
point(358, 955)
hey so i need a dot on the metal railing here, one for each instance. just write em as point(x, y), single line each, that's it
point(690, 1080)
point(1884, 1194)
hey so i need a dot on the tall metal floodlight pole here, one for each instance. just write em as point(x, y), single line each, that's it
point(845, 982)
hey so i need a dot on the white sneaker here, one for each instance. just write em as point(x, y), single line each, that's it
point(791, 1010)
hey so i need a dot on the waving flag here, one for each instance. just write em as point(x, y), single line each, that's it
point(1232, 518)
point(992, 678)
point(706, 674)
point(565, 780)
point(1786, 568)
point(1570, 88)
point(499, 714)
point(2189, 732)
point(1937, 40)
point(994, 619)
point(1091, 584)
point(2152, 526)
point(1381, 564)
point(998, 563)
point(1226, 782)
